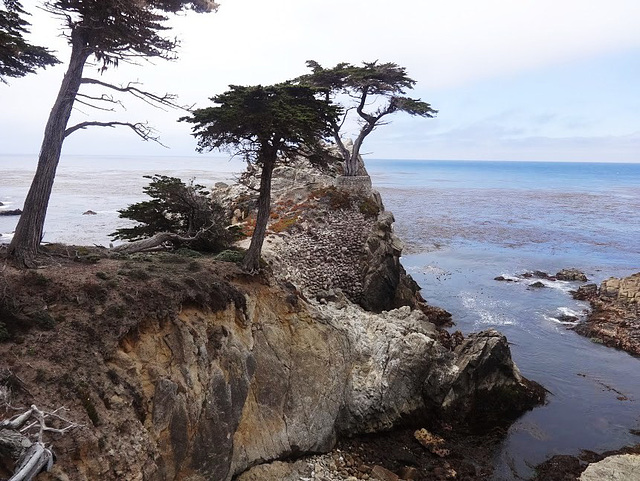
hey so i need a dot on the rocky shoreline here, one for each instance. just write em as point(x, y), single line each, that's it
point(614, 319)
point(180, 366)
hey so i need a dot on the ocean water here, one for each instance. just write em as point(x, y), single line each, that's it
point(463, 223)
point(102, 184)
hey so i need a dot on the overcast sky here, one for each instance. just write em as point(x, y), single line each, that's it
point(512, 80)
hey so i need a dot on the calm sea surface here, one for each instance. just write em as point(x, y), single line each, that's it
point(464, 223)
point(467, 222)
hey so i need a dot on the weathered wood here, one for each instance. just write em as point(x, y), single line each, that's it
point(24, 444)
point(152, 243)
point(34, 460)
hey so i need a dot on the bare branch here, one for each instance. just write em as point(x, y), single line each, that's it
point(144, 131)
point(158, 101)
point(103, 98)
point(94, 106)
point(153, 243)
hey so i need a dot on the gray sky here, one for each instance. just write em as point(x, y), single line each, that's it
point(512, 80)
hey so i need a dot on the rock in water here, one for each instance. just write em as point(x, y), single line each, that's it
point(571, 275)
point(585, 292)
point(11, 212)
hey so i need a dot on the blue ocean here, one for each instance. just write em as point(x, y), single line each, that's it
point(463, 223)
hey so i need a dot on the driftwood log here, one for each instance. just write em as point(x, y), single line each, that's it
point(21, 439)
point(152, 243)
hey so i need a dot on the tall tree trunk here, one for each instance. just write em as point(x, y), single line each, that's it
point(251, 261)
point(351, 163)
point(29, 231)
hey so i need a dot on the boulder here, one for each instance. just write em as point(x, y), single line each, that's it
point(485, 388)
point(622, 467)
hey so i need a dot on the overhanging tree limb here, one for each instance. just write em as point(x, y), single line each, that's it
point(156, 100)
point(144, 131)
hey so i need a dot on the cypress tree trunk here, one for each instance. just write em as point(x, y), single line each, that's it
point(351, 163)
point(251, 261)
point(29, 231)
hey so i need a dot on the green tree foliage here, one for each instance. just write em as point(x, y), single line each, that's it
point(376, 90)
point(179, 208)
point(109, 31)
point(17, 56)
point(263, 124)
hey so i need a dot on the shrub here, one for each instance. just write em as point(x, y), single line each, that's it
point(184, 209)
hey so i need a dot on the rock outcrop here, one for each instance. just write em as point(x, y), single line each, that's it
point(194, 372)
point(622, 467)
point(184, 368)
point(330, 241)
point(615, 316)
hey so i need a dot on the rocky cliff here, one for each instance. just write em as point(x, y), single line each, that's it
point(192, 371)
point(182, 367)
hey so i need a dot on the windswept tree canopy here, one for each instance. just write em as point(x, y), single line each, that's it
point(17, 56)
point(377, 90)
point(264, 124)
point(116, 30)
point(280, 119)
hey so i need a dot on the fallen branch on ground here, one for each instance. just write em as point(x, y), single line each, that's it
point(21, 438)
point(152, 243)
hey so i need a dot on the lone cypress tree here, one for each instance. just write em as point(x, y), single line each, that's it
point(110, 31)
point(377, 90)
point(263, 124)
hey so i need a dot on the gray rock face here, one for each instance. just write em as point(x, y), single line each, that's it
point(623, 467)
point(237, 388)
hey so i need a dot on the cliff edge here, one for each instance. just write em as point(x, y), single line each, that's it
point(180, 366)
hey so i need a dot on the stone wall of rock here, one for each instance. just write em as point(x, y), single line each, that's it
point(229, 391)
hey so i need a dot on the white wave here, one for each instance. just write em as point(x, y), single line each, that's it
point(564, 286)
point(567, 311)
point(435, 270)
point(487, 311)
point(558, 321)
